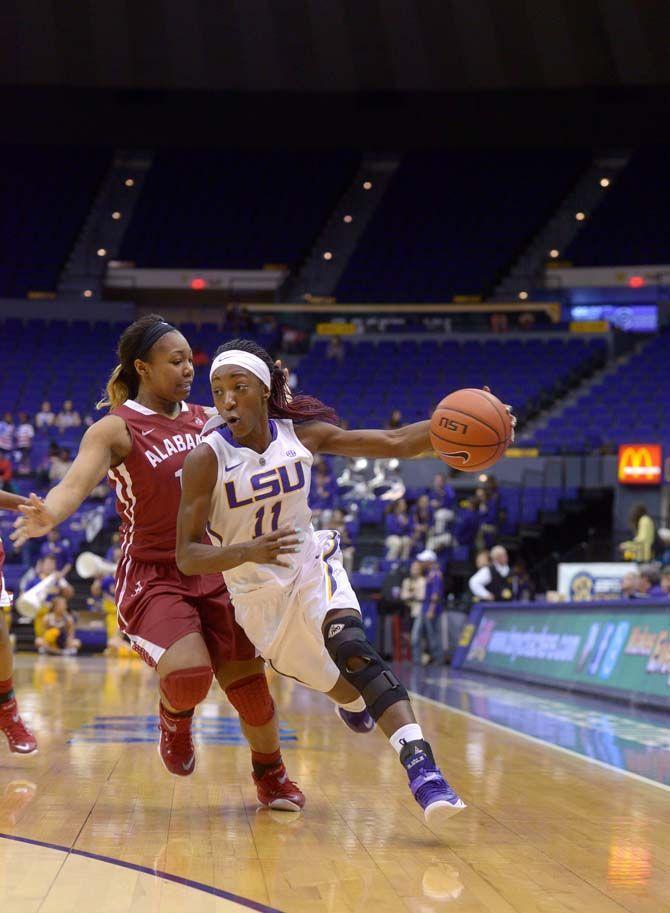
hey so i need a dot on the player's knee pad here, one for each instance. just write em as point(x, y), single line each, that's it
point(251, 698)
point(185, 688)
point(346, 641)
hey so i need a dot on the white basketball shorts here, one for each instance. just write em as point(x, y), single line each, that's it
point(295, 614)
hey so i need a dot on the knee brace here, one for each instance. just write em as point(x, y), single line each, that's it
point(380, 689)
point(251, 698)
point(185, 688)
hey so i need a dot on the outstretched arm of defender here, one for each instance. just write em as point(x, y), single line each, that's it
point(104, 444)
point(193, 556)
point(11, 502)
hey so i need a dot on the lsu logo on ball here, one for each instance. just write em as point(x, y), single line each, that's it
point(451, 425)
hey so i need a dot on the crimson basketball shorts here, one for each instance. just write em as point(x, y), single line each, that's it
point(157, 606)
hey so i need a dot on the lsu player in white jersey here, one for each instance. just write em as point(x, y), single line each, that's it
point(247, 487)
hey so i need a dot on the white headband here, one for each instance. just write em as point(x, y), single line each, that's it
point(244, 360)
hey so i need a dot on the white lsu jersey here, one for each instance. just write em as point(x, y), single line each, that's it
point(255, 494)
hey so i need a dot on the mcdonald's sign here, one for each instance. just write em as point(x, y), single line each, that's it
point(640, 464)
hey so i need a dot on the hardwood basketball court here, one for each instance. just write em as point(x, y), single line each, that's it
point(94, 823)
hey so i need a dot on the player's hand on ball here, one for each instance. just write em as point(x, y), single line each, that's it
point(507, 406)
point(36, 521)
point(270, 548)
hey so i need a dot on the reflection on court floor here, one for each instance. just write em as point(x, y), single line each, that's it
point(94, 823)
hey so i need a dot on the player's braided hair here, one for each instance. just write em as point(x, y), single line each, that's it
point(124, 381)
point(281, 404)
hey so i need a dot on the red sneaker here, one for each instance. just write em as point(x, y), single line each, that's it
point(275, 790)
point(20, 739)
point(176, 745)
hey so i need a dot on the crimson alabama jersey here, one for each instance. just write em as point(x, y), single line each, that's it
point(4, 596)
point(148, 482)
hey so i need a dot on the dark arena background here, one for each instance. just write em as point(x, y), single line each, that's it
point(398, 200)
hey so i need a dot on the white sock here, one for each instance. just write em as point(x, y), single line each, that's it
point(409, 733)
point(355, 706)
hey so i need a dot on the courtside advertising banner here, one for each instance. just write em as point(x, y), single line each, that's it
point(584, 581)
point(620, 651)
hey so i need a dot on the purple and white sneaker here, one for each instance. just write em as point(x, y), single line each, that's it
point(437, 799)
point(357, 721)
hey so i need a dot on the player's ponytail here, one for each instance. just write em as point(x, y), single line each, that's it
point(124, 381)
point(282, 404)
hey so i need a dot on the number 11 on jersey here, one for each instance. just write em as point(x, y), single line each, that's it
point(260, 514)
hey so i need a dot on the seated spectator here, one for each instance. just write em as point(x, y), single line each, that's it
point(629, 585)
point(200, 357)
point(663, 545)
point(7, 431)
point(45, 417)
point(322, 494)
point(6, 473)
point(665, 580)
point(58, 636)
point(442, 498)
point(491, 581)
point(488, 505)
point(483, 558)
point(59, 465)
point(523, 586)
point(337, 522)
point(88, 420)
point(398, 527)
point(335, 350)
point(68, 417)
point(466, 524)
point(58, 548)
point(24, 433)
point(422, 521)
point(427, 623)
point(395, 419)
point(641, 547)
point(649, 582)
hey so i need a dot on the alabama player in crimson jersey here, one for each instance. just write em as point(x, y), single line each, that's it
point(19, 738)
point(182, 626)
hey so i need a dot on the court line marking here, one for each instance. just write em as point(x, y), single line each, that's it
point(156, 873)
point(531, 738)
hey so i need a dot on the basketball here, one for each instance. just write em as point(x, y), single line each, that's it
point(470, 430)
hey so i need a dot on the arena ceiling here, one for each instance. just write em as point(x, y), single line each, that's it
point(334, 45)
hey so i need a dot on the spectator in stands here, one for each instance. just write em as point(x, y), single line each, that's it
point(488, 505)
point(395, 419)
point(88, 420)
point(442, 498)
point(526, 320)
point(58, 548)
point(68, 417)
point(427, 624)
point(59, 465)
point(322, 493)
point(6, 473)
point(499, 323)
point(24, 434)
point(649, 582)
point(422, 521)
point(413, 590)
point(665, 580)
point(337, 522)
point(7, 431)
point(522, 584)
point(467, 523)
point(641, 547)
point(45, 417)
point(200, 357)
point(629, 585)
point(59, 636)
point(398, 531)
point(335, 350)
point(492, 582)
point(44, 567)
point(663, 543)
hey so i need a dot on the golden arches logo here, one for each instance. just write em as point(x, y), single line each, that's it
point(640, 464)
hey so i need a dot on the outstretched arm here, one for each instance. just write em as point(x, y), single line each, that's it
point(105, 444)
point(11, 502)
point(195, 557)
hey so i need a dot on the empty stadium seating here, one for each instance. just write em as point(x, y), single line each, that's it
point(234, 210)
point(45, 194)
point(632, 404)
point(451, 221)
point(414, 375)
point(632, 223)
